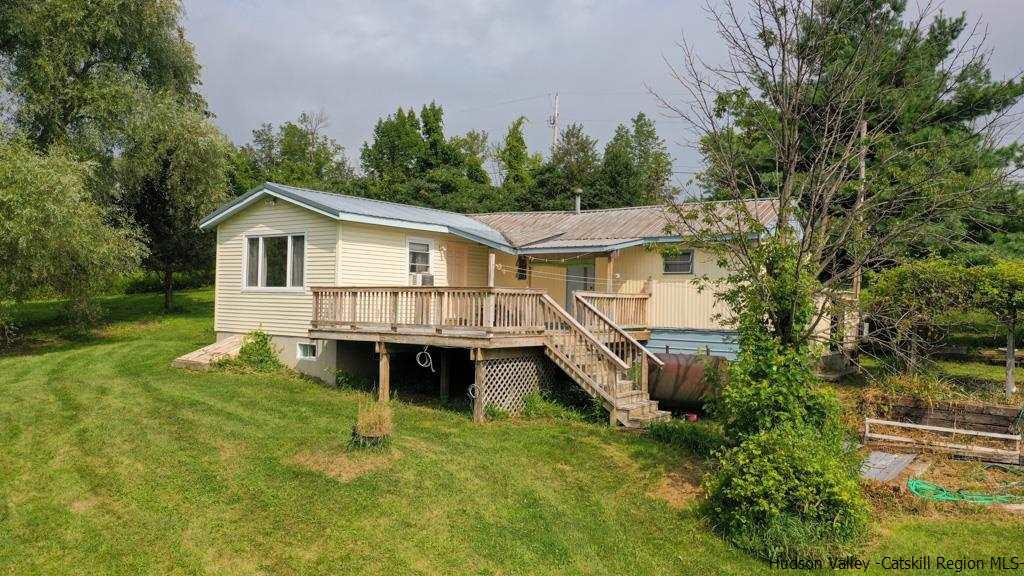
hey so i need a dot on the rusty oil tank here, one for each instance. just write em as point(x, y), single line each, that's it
point(680, 383)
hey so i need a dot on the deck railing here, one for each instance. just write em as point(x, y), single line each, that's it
point(481, 309)
point(632, 352)
point(626, 310)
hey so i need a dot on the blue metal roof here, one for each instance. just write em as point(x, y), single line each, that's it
point(354, 208)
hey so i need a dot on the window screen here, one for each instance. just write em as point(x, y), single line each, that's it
point(419, 257)
point(681, 263)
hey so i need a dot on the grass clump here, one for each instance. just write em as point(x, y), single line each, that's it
point(257, 354)
point(540, 406)
point(373, 425)
point(783, 494)
point(702, 438)
point(493, 412)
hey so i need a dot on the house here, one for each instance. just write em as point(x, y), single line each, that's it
point(343, 282)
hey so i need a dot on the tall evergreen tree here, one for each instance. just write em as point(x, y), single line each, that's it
point(939, 141)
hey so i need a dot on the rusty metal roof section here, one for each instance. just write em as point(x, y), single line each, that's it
point(600, 230)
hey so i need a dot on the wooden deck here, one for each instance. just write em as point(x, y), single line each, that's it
point(469, 317)
point(603, 357)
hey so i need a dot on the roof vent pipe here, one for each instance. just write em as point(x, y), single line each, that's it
point(578, 191)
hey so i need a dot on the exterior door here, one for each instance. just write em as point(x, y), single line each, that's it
point(457, 265)
point(577, 277)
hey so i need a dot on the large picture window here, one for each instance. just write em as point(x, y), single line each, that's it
point(679, 263)
point(275, 261)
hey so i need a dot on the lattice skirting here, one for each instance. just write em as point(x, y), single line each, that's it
point(508, 381)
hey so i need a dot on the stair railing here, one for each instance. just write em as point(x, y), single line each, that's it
point(627, 348)
point(578, 346)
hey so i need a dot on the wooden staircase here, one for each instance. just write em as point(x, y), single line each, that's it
point(603, 359)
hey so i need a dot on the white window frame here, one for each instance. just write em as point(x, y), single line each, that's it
point(298, 351)
point(693, 261)
point(430, 254)
point(262, 273)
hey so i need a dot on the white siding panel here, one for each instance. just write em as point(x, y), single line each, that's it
point(283, 314)
point(675, 301)
point(378, 255)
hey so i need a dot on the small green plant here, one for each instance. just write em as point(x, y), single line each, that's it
point(702, 438)
point(373, 426)
point(783, 494)
point(257, 354)
point(537, 405)
point(493, 412)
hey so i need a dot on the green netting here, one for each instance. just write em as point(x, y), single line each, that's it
point(931, 491)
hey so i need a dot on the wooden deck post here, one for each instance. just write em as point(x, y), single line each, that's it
point(479, 383)
point(489, 300)
point(384, 382)
point(442, 373)
point(610, 281)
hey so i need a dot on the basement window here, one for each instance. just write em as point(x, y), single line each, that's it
point(275, 261)
point(680, 263)
point(306, 351)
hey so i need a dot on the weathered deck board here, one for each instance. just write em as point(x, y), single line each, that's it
point(206, 356)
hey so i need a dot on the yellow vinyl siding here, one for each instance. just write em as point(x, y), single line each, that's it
point(675, 301)
point(280, 313)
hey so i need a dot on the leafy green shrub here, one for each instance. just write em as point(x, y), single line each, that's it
point(257, 354)
point(769, 386)
point(783, 493)
point(702, 438)
point(153, 282)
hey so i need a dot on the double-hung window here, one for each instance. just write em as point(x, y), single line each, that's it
point(678, 263)
point(275, 261)
point(419, 257)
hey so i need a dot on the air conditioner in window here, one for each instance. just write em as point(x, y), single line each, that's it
point(421, 279)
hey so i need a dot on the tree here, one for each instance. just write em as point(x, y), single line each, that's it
point(1001, 292)
point(653, 161)
point(932, 110)
point(636, 167)
point(907, 305)
point(809, 88)
point(395, 150)
point(517, 165)
point(411, 160)
point(172, 172)
point(620, 175)
point(574, 165)
point(295, 153)
point(74, 67)
point(53, 237)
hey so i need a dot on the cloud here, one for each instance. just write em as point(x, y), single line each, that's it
point(266, 61)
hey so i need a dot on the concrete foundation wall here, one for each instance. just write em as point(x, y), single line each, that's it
point(323, 367)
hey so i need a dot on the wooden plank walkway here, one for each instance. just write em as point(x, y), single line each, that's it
point(206, 356)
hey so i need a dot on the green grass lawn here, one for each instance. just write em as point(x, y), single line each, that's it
point(112, 462)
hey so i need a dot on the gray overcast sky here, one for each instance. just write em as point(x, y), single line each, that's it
point(266, 61)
